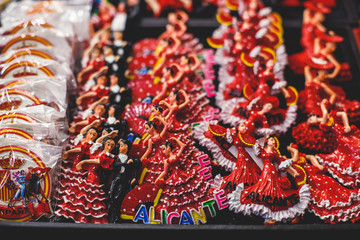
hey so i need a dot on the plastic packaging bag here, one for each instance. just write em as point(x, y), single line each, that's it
point(50, 133)
point(26, 167)
point(39, 68)
point(43, 52)
point(35, 114)
point(32, 93)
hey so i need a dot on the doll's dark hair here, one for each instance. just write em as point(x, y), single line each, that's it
point(313, 114)
point(101, 75)
point(167, 40)
point(188, 59)
point(96, 47)
point(109, 46)
point(267, 138)
point(93, 110)
point(127, 143)
point(104, 141)
point(157, 107)
point(151, 124)
point(177, 95)
point(168, 144)
point(89, 130)
point(171, 70)
point(116, 108)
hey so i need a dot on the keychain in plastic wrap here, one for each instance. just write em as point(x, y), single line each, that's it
point(32, 93)
point(35, 114)
point(25, 178)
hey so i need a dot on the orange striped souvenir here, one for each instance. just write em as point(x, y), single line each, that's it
point(25, 68)
point(12, 117)
point(27, 26)
point(16, 132)
point(28, 52)
point(13, 98)
point(25, 41)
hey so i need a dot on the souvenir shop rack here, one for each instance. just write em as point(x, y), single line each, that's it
point(341, 20)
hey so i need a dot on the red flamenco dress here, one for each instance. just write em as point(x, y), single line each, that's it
point(83, 201)
point(154, 164)
point(238, 73)
point(279, 119)
point(183, 190)
point(174, 125)
point(344, 162)
point(298, 61)
point(330, 201)
point(314, 93)
point(312, 138)
point(271, 197)
point(69, 174)
point(196, 109)
point(246, 171)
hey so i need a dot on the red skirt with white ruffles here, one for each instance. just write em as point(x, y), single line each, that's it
point(183, 190)
point(330, 201)
point(81, 200)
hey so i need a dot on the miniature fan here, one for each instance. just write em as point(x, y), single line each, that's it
point(145, 194)
point(144, 46)
point(144, 61)
point(142, 86)
point(137, 115)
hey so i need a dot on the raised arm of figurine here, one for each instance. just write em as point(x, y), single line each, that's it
point(325, 113)
point(345, 121)
point(294, 152)
point(181, 145)
point(165, 126)
point(307, 74)
point(175, 45)
point(294, 157)
point(112, 134)
point(148, 150)
point(187, 100)
point(161, 94)
point(170, 108)
point(337, 66)
point(88, 161)
point(73, 150)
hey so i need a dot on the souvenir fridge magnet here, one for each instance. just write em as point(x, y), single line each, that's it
point(25, 184)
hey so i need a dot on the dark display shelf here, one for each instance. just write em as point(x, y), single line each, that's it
point(341, 20)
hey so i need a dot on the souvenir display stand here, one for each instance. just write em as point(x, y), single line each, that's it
point(226, 116)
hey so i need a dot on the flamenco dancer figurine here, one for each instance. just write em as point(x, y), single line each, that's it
point(317, 88)
point(341, 151)
point(271, 197)
point(176, 189)
point(246, 170)
point(84, 198)
point(180, 189)
point(330, 201)
point(82, 144)
point(152, 159)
